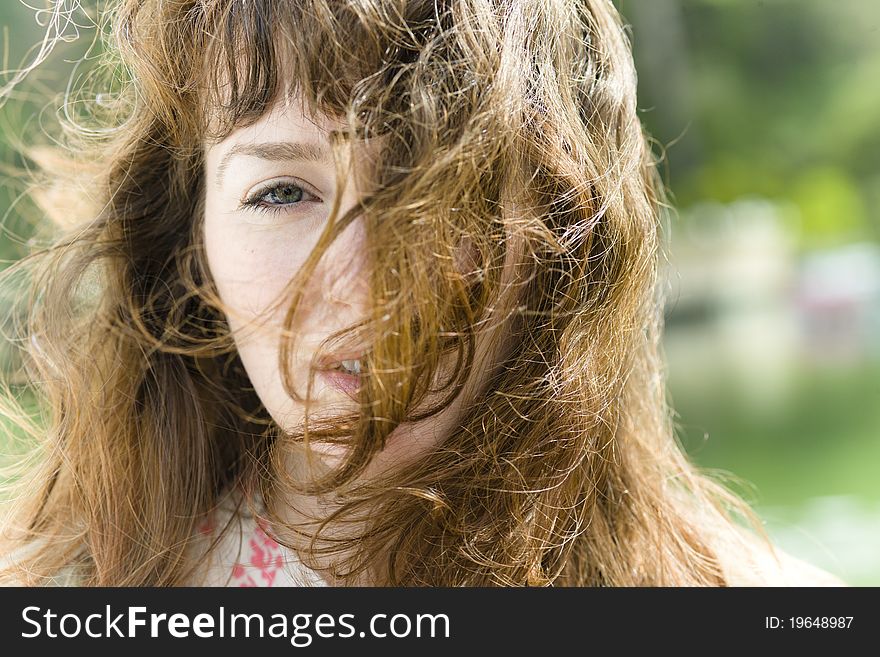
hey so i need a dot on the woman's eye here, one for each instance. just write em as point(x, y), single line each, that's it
point(285, 194)
point(277, 196)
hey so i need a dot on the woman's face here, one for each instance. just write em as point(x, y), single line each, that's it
point(269, 191)
point(270, 188)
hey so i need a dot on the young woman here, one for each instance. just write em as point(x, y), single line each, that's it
point(358, 293)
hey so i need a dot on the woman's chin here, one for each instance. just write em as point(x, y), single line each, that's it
point(323, 456)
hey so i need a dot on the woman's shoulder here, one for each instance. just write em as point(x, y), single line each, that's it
point(749, 560)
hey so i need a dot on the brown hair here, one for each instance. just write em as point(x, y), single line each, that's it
point(499, 122)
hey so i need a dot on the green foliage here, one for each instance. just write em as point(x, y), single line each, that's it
point(778, 99)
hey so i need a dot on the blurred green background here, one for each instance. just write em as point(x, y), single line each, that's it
point(769, 112)
point(768, 115)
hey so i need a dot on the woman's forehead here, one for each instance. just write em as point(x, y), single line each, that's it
point(287, 117)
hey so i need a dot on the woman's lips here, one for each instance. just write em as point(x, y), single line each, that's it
point(336, 377)
point(343, 381)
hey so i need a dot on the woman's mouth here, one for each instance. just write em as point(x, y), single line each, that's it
point(351, 366)
point(342, 374)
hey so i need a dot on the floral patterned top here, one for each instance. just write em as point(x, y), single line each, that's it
point(247, 556)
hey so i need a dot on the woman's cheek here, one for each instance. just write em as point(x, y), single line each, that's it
point(251, 272)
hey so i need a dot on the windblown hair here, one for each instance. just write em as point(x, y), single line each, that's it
point(510, 125)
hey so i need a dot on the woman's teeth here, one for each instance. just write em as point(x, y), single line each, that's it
point(351, 366)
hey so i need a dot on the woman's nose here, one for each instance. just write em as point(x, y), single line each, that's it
point(344, 273)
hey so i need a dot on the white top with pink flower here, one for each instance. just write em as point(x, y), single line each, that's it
point(248, 556)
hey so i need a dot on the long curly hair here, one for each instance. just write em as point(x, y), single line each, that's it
point(509, 125)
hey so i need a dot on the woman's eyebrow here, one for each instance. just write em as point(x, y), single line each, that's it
point(277, 151)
